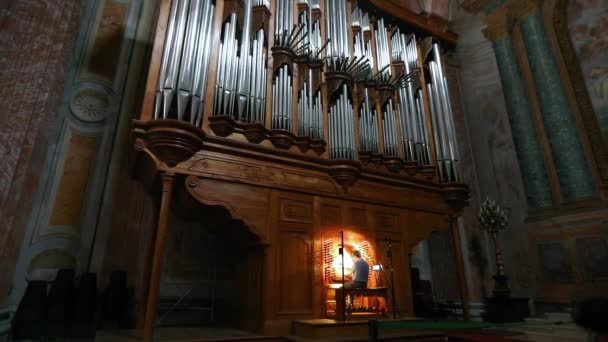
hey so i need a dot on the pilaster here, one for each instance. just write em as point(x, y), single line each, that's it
point(575, 178)
point(525, 137)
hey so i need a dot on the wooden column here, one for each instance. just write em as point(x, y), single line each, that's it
point(462, 283)
point(159, 251)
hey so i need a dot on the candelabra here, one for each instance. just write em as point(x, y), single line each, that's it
point(492, 220)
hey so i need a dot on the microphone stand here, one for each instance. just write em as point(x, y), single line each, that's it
point(390, 256)
point(341, 251)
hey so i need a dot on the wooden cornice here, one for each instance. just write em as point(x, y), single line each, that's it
point(432, 24)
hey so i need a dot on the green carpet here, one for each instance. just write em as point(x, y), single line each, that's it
point(432, 325)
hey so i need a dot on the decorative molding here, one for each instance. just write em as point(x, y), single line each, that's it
point(171, 141)
point(521, 9)
point(500, 25)
point(91, 105)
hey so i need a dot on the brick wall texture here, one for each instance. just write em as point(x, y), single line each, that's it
point(37, 41)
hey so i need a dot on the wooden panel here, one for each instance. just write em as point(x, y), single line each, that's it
point(401, 274)
point(297, 211)
point(331, 215)
point(386, 222)
point(357, 217)
point(244, 202)
point(295, 268)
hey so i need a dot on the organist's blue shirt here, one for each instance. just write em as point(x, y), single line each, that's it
point(361, 271)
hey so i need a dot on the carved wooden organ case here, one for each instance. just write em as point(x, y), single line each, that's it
point(321, 103)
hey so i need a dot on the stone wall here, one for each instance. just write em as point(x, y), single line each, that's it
point(37, 40)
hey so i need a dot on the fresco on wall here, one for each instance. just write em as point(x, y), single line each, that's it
point(588, 22)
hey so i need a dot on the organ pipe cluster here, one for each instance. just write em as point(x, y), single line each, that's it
point(240, 90)
point(338, 35)
point(442, 118)
point(342, 127)
point(389, 125)
point(282, 99)
point(412, 117)
point(185, 60)
point(362, 48)
point(399, 124)
point(382, 52)
point(310, 110)
point(310, 44)
point(368, 126)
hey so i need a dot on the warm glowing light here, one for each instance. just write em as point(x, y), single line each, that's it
point(335, 286)
point(337, 264)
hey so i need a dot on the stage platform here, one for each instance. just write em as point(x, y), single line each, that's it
point(328, 330)
point(183, 334)
point(357, 330)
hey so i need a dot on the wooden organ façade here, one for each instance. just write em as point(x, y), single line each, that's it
point(301, 119)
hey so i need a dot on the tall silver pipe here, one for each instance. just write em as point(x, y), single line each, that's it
point(202, 69)
point(436, 135)
point(439, 97)
point(184, 63)
point(186, 71)
point(169, 41)
point(170, 83)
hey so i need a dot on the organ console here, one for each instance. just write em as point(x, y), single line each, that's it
point(327, 103)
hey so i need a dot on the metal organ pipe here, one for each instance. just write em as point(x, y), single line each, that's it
point(391, 147)
point(240, 89)
point(282, 99)
point(368, 129)
point(382, 52)
point(342, 128)
point(413, 119)
point(442, 117)
point(241, 79)
point(284, 25)
point(362, 49)
point(185, 59)
point(338, 51)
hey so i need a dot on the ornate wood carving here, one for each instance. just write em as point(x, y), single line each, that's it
point(345, 172)
point(282, 139)
point(457, 196)
point(246, 203)
point(297, 211)
point(171, 141)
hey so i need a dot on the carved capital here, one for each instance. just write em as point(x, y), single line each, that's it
point(500, 25)
point(170, 141)
point(521, 9)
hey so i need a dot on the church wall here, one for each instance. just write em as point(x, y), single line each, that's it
point(85, 154)
point(489, 165)
point(557, 253)
point(588, 26)
point(38, 40)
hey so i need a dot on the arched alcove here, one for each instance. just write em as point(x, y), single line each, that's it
point(213, 269)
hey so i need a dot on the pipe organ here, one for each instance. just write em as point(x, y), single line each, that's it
point(335, 101)
point(332, 68)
